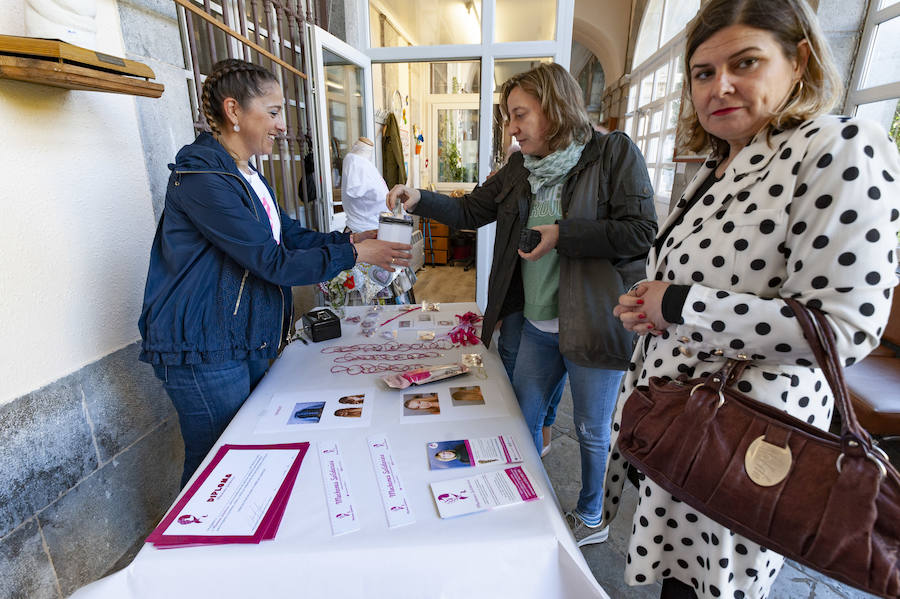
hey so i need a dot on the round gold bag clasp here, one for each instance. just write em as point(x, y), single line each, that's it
point(767, 464)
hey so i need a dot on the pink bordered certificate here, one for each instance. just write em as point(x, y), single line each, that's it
point(239, 497)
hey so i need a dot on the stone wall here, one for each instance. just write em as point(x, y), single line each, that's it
point(90, 462)
point(88, 465)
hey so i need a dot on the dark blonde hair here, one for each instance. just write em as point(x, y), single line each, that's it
point(231, 78)
point(561, 100)
point(790, 22)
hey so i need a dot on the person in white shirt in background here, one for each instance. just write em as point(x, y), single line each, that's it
point(363, 190)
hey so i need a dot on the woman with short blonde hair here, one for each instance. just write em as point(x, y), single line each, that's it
point(575, 216)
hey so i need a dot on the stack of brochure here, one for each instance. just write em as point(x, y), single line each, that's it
point(465, 453)
point(473, 494)
point(239, 497)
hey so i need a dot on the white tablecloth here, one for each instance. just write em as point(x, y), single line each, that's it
point(519, 551)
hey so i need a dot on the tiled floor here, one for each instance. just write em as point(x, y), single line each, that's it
point(607, 560)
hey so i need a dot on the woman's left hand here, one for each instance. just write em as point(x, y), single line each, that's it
point(549, 239)
point(640, 310)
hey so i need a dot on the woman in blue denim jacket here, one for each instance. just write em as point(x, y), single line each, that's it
point(217, 302)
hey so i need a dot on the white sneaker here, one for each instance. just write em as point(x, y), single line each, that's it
point(545, 449)
point(584, 534)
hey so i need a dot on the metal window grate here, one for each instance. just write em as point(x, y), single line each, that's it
point(278, 27)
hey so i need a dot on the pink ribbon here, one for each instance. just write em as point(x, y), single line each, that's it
point(464, 332)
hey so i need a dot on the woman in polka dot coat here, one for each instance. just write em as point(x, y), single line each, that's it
point(791, 203)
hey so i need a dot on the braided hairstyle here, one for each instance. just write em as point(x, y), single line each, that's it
point(231, 78)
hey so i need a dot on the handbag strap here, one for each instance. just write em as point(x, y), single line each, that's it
point(821, 338)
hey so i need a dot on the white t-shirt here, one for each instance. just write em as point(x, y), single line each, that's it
point(262, 192)
point(363, 193)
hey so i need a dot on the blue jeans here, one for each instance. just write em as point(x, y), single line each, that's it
point(539, 369)
point(508, 348)
point(206, 397)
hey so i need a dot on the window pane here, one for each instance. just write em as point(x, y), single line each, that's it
point(666, 177)
point(652, 173)
point(668, 150)
point(457, 145)
point(642, 125)
point(652, 155)
point(662, 78)
point(344, 88)
point(674, 108)
point(678, 13)
point(678, 74)
point(886, 112)
point(429, 23)
point(455, 77)
point(656, 121)
point(884, 61)
point(886, 3)
point(648, 37)
point(632, 98)
point(629, 123)
point(646, 90)
point(523, 20)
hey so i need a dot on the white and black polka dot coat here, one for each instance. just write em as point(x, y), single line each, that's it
point(813, 216)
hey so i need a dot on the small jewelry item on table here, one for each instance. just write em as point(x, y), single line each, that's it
point(430, 306)
point(426, 335)
point(475, 362)
point(464, 332)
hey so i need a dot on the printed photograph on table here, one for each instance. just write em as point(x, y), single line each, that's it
point(405, 324)
point(449, 454)
point(318, 408)
point(421, 404)
point(423, 322)
point(307, 413)
point(445, 323)
point(348, 412)
point(467, 396)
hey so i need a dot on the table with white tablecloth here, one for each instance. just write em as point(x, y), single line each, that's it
point(520, 551)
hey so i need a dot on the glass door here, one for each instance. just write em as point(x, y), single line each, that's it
point(341, 83)
point(454, 149)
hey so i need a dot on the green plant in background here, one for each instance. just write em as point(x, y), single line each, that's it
point(452, 162)
point(895, 126)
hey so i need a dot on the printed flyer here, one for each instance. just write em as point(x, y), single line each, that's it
point(393, 495)
point(466, 453)
point(482, 492)
point(342, 515)
point(238, 498)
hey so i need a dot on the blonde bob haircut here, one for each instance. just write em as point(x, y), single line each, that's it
point(790, 22)
point(561, 100)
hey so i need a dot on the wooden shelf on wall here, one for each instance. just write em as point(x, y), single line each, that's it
point(56, 63)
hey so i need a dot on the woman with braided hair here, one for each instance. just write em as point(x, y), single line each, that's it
point(217, 303)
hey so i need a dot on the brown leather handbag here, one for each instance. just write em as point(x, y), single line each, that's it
point(827, 501)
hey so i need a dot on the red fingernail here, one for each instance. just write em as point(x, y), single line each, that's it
point(642, 316)
point(640, 302)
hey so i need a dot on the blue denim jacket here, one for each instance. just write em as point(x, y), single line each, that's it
point(218, 286)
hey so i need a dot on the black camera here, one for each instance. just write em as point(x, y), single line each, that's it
point(321, 325)
point(529, 239)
